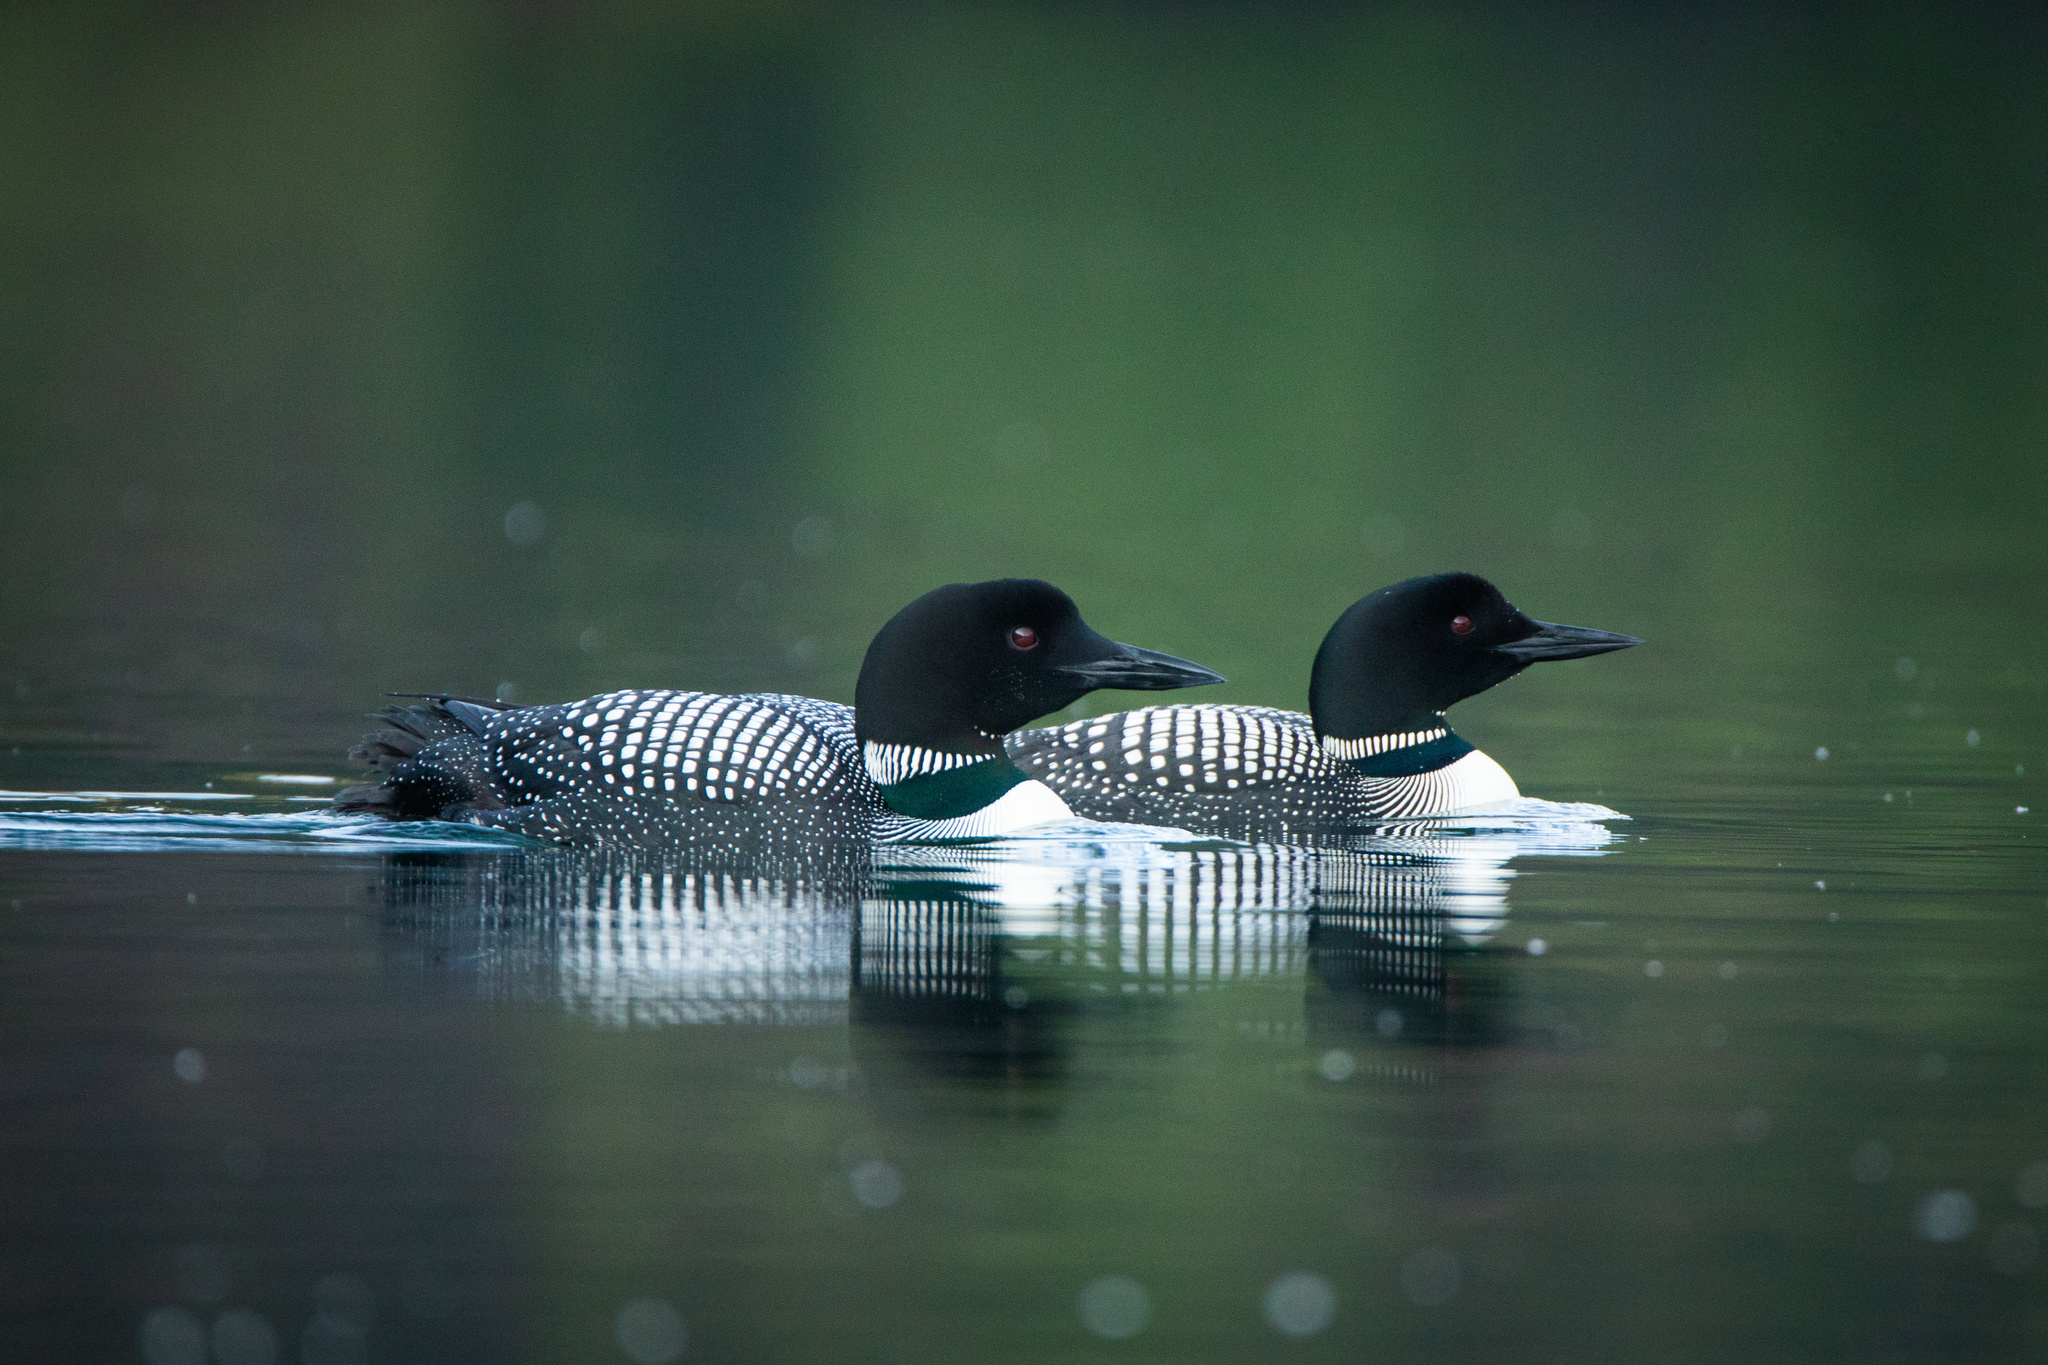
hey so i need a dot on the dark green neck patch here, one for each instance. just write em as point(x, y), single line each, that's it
point(1416, 758)
point(956, 791)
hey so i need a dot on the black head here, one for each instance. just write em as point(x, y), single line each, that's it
point(966, 664)
point(1403, 654)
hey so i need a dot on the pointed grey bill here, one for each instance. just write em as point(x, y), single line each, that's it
point(1142, 670)
point(1564, 642)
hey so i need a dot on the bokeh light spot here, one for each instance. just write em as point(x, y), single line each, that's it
point(1945, 1216)
point(876, 1184)
point(525, 524)
point(1337, 1065)
point(172, 1336)
point(812, 537)
point(1114, 1306)
point(1300, 1304)
point(190, 1064)
point(650, 1331)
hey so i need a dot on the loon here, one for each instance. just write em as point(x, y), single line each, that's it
point(918, 756)
point(1375, 747)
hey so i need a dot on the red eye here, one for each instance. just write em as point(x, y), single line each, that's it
point(1024, 637)
point(1461, 625)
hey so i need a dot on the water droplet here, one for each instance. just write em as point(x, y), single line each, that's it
point(1114, 1306)
point(591, 640)
point(1905, 669)
point(1016, 997)
point(1537, 947)
point(1821, 753)
point(507, 691)
point(1337, 1065)
point(803, 653)
point(1387, 1023)
point(190, 1064)
point(650, 1331)
point(1300, 1304)
point(1945, 1216)
point(1726, 971)
point(1653, 968)
point(1820, 886)
point(1972, 739)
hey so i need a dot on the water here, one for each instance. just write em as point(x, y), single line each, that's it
point(1753, 1073)
point(540, 351)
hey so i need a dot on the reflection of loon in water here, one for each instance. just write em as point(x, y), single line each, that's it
point(624, 941)
point(1405, 952)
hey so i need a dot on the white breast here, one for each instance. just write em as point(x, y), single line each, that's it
point(1473, 781)
point(1026, 804)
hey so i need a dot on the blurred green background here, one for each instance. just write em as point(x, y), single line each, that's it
point(346, 349)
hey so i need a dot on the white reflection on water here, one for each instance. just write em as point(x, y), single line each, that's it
point(628, 942)
point(702, 948)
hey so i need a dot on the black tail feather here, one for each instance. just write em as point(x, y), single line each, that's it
point(429, 761)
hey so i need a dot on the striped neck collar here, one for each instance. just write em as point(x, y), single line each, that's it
point(933, 784)
point(1398, 755)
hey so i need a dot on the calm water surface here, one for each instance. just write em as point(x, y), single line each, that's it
point(1754, 1072)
